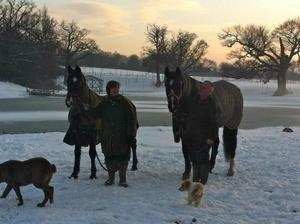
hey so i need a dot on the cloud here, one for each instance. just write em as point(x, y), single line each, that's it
point(102, 19)
point(161, 11)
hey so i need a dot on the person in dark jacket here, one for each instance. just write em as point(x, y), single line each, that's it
point(197, 117)
point(119, 127)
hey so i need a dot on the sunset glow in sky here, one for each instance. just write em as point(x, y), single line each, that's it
point(120, 25)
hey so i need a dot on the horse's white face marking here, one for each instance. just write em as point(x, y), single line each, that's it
point(74, 79)
point(171, 82)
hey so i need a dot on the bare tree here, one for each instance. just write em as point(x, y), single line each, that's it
point(157, 38)
point(241, 69)
point(74, 42)
point(16, 18)
point(45, 38)
point(17, 52)
point(185, 51)
point(208, 64)
point(28, 44)
point(274, 51)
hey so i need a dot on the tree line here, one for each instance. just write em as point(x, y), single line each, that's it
point(33, 45)
point(257, 52)
point(35, 48)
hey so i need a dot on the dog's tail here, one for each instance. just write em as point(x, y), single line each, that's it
point(53, 168)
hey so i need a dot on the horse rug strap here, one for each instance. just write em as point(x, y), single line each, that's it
point(205, 90)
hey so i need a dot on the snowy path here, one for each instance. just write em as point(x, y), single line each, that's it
point(265, 189)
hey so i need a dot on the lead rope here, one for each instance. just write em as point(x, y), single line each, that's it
point(101, 164)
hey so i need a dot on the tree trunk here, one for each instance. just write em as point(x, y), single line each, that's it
point(281, 82)
point(158, 82)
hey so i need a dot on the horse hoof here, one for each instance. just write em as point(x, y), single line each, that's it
point(40, 205)
point(124, 184)
point(73, 176)
point(134, 168)
point(230, 173)
point(109, 183)
point(211, 165)
point(93, 176)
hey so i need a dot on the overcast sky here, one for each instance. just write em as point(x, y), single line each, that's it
point(120, 25)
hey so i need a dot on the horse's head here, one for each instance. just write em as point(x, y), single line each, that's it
point(75, 82)
point(174, 88)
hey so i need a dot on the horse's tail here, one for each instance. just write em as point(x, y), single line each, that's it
point(229, 142)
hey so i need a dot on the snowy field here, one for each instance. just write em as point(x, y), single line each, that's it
point(11, 90)
point(142, 84)
point(265, 189)
point(152, 99)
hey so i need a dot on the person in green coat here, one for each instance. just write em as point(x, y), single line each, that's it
point(118, 132)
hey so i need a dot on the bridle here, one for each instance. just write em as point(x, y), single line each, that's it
point(172, 95)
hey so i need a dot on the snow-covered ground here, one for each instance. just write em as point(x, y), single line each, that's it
point(265, 189)
point(11, 90)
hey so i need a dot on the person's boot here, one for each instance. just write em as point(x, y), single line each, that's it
point(204, 172)
point(111, 174)
point(187, 165)
point(196, 173)
point(77, 153)
point(122, 174)
point(187, 171)
point(231, 168)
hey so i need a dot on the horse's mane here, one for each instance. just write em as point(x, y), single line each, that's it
point(89, 96)
point(190, 85)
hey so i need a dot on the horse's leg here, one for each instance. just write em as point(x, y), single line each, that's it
point(92, 153)
point(204, 168)
point(230, 144)
point(112, 167)
point(214, 153)
point(134, 156)
point(77, 153)
point(122, 174)
point(187, 163)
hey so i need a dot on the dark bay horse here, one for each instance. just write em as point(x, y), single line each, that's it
point(229, 102)
point(84, 130)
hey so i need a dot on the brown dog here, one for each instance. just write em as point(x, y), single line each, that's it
point(36, 171)
point(195, 191)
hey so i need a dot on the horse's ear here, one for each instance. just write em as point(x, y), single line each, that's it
point(77, 69)
point(167, 71)
point(178, 71)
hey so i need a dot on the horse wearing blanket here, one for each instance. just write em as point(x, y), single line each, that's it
point(84, 130)
point(228, 101)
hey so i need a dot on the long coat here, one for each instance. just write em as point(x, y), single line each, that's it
point(197, 119)
point(119, 124)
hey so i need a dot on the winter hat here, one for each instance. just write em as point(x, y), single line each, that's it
point(205, 90)
point(111, 84)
